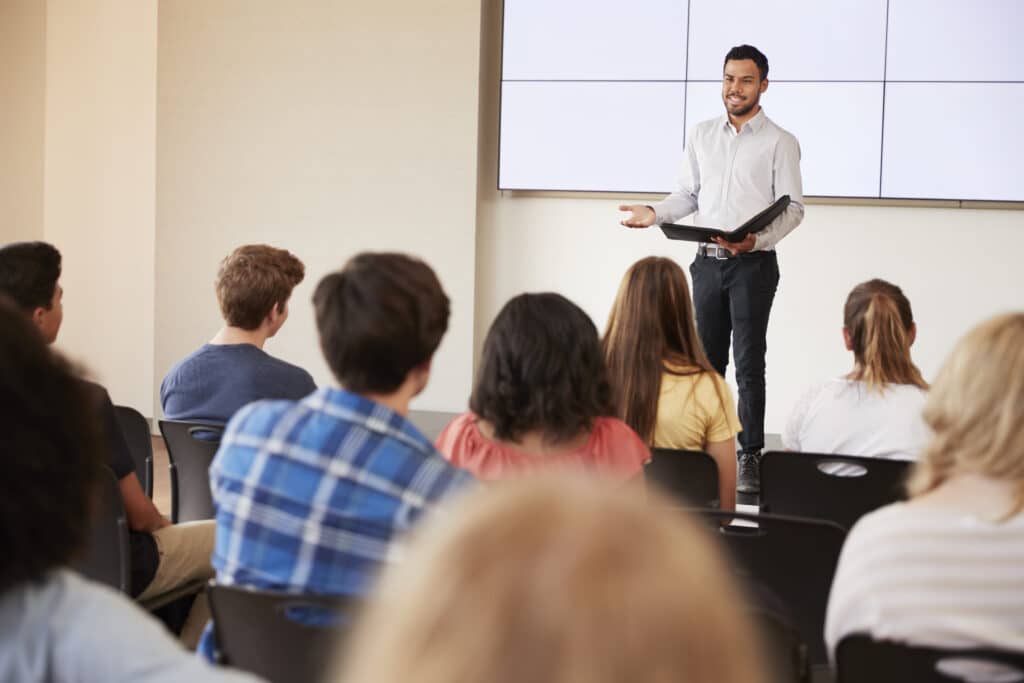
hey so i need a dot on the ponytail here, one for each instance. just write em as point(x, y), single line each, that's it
point(879, 322)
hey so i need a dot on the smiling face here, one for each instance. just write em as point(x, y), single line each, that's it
point(742, 86)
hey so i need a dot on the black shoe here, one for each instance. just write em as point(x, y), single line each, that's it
point(748, 473)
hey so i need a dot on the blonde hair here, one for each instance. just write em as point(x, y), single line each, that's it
point(976, 410)
point(556, 579)
point(878, 318)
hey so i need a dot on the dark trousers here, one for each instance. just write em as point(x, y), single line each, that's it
point(734, 297)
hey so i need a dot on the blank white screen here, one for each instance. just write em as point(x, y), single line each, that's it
point(807, 40)
point(591, 136)
point(828, 60)
point(974, 149)
point(953, 40)
point(594, 39)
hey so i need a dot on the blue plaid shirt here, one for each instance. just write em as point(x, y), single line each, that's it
point(311, 495)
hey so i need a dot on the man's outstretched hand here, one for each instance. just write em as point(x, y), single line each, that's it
point(641, 216)
point(741, 247)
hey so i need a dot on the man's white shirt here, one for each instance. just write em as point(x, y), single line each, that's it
point(729, 177)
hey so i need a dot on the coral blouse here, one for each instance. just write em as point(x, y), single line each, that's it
point(613, 449)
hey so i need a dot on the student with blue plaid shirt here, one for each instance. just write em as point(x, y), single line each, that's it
point(312, 495)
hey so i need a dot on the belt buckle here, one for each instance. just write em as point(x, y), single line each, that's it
point(716, 252)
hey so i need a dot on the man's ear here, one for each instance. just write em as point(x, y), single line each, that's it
point(38, 316)
point(764, 85)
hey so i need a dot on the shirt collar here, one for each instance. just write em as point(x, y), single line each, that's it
point(374, 416)
point(755, 124)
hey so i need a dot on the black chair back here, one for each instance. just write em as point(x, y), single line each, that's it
point(282, 637)
point(860, 659)
point(190, 449)
point(691, 477)
point(799, 484)
point(136, 432)
point(105, 557)
point(793, 557)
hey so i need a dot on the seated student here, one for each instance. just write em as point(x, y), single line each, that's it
point(542, 398)
point(312, 495)
point(56, 625)
point(253, 286)
point(875, 410)
point(668, 391)
point(556, 579)
point(163, 556)
point(945, 567)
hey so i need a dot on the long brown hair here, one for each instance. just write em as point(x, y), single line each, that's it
point(651, 331)
point(880, 325)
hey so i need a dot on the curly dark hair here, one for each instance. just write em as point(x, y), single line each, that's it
point(50, 460)
point(542, 369)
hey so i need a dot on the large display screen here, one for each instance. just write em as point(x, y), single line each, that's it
point(920, 99)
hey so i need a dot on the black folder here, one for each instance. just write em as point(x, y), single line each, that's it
point(692, 233)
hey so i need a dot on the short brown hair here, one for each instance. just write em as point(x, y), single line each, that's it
point(379, 317)
point(252, 280)
point(558, 579)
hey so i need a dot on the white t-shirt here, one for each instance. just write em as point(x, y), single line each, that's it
point(927, 576)
point(845, 417)
point(65, 629)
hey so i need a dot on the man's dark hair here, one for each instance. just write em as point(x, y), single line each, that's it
point(49, 457)
point(28, 273)
point(542, 369)
point(379, 317)
point(749, 52)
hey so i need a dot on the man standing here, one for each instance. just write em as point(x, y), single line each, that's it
point(736, 166)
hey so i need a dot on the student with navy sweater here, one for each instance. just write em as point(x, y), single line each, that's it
point(253, 286)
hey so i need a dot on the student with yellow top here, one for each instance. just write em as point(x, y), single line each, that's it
point(668, 392)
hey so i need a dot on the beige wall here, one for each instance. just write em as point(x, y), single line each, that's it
point(99, 184)
point(326, 128)
point(954, 264)
point(22, 102)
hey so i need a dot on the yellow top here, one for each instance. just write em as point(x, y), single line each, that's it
point(690, 413)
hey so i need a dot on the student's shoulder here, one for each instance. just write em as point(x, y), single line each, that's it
point(290, 371)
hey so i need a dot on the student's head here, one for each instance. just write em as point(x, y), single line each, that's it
point(49, 457)
point(556, 579)
point(976, 409)
point(253, 285)
point(744, 79)
point(29, 275)
point(381, 318)
point(878, 326)
point(541, 371)
point(650, 330)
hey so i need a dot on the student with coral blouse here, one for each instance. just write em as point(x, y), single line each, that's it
point(669, 391)
point(542, 399)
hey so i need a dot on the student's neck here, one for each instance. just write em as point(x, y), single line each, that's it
point(236, 335)
point(737, 122)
